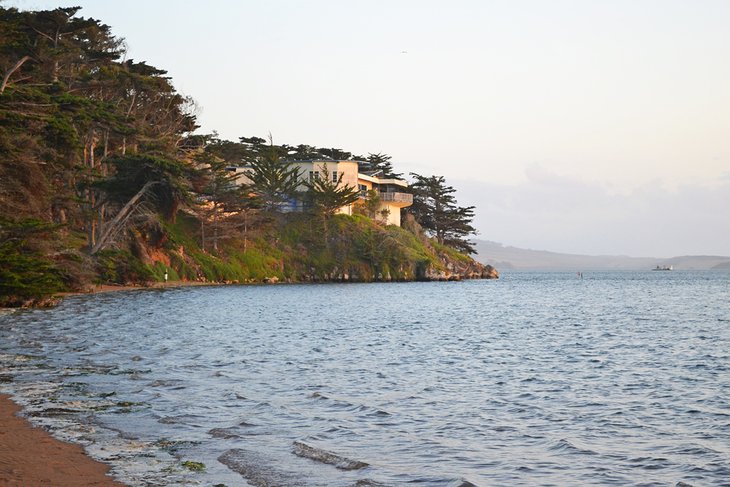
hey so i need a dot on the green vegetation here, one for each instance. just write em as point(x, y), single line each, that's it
point(434, 206)
point(104, 180)
point(193, 466)
point(25, 272)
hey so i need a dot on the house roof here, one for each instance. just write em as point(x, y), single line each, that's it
point(377, 180)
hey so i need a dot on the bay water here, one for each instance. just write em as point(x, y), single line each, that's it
point(618, 378)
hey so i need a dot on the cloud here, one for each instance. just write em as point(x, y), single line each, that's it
point(559, 213)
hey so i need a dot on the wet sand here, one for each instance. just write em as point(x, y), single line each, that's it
point(31, 457)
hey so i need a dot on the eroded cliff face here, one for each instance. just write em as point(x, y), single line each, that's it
point(355, 250)
point(458, 269)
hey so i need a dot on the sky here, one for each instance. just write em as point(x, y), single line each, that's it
point(575, 126)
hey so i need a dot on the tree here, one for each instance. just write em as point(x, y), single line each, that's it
point(227, 208)
point(273, 180)
point(25, 271)
point(381, 162)
point(155, 182)
point(327, 194)
point(334, 154)
point(372, 207)
point(435, 209)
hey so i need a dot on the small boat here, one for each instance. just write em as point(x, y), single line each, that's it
point(663, 268)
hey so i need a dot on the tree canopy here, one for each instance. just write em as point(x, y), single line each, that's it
point(435, 209)
point(273, 180)
point(327, 194)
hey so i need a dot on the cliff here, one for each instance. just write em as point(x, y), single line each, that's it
point(299, 248)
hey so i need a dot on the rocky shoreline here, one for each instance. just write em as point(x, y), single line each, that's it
point(453, 271)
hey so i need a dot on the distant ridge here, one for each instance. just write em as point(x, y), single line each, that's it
point(505, 258)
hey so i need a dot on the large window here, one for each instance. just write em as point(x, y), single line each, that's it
point(313, 175)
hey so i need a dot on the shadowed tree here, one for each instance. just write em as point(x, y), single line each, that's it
point(143, 181)
point(227, 209)
point(435, 209)
point(25, 271)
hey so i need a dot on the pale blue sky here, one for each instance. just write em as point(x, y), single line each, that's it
point(579, 126)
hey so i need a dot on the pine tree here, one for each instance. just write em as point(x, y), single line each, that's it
point(273, 180)
point(435, 209)
point(327, 195)
point(381, 162)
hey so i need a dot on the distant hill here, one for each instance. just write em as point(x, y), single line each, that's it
point(505, 258)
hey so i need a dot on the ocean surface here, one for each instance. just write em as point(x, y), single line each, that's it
point(619, 378)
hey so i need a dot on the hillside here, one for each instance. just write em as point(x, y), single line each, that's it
point(104, 179)
point(507, 257)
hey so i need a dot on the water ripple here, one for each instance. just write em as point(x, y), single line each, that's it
point(535, 379)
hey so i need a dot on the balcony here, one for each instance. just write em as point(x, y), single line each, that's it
point(400, 199)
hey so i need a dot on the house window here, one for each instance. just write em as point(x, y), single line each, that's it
point(313, 175)
point(334, 176)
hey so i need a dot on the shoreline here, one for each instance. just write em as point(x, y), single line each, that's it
point(30, 456)
point(108, 288)
point(54, 299)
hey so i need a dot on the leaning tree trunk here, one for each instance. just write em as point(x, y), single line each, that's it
point(10, 72)
point(116, 224)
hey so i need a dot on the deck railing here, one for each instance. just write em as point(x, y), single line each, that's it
point(396, 197)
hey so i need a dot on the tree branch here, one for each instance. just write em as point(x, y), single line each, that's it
point(120, 219)
point(17, 66)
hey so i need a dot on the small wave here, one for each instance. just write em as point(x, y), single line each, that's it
point(367, 483)
point(462, 483)
point(566, 446)
point(324, 456)
point(224, 433)
point(182, 419)
point(349, 406)
point(256, 469)
point(166, 383)
point(649, 463)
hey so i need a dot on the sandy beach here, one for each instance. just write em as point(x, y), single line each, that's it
point(31, 457)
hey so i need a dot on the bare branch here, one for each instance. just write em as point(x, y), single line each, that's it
point(120, 219)
point(16, 67)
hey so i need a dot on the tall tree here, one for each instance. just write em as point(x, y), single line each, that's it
point(273, 180)
point(327, 194)
point(435, 209)
point(227, 209)
point(381, 162)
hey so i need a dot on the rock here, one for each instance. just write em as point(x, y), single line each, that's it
point(490, 272)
